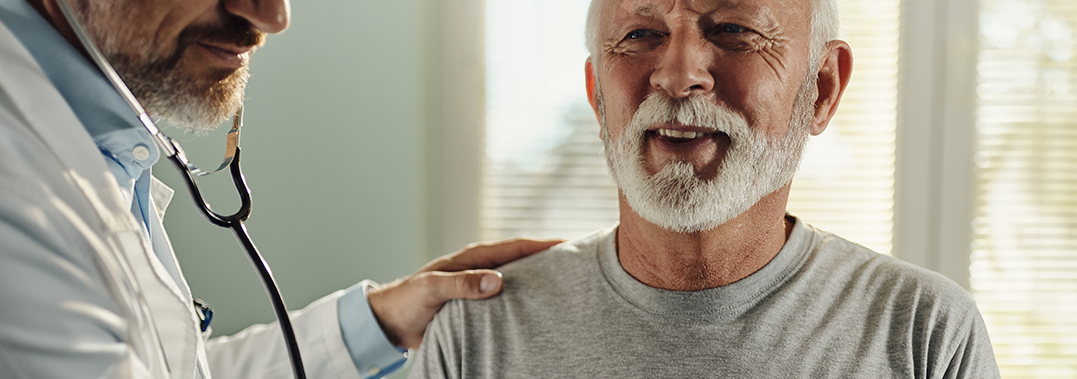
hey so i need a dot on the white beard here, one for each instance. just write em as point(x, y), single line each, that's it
point(675, 197)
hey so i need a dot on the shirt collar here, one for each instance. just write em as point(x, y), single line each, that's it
point(103, 112)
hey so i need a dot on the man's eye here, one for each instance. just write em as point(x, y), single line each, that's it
point(639, 33)
point(732, 29)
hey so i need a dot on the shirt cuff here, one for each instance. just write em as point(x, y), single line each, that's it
point(373, 354)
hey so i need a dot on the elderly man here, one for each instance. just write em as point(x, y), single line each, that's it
point(89, 284)
point(705, 106)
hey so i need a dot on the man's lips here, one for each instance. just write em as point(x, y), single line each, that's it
point(680, 133)
point(671, 133)
point(704, 148)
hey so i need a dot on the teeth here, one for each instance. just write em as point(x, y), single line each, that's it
point(679, 134)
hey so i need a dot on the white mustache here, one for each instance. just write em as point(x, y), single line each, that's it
point(694, 111)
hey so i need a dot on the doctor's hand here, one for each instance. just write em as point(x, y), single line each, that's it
point(405, 306)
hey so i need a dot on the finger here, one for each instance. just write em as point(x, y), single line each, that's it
point(470, 284)
point(490, 255)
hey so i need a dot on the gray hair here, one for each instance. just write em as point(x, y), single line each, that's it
point(825, 27)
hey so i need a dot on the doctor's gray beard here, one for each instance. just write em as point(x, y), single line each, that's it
point(158, 81)
point(676, 198)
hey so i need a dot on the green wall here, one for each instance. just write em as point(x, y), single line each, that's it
point(332, 149)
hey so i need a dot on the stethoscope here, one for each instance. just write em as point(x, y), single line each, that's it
point(175, 154)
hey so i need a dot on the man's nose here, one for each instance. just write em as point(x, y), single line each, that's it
point(268, 16)
point(683, 68)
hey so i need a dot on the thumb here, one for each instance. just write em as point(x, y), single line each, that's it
point(469, 284)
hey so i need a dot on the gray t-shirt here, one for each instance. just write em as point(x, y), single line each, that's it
point(824, 307)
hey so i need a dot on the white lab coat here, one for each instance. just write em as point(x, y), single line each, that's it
point(82, 293)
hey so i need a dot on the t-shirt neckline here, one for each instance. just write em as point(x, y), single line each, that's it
point(707, 305)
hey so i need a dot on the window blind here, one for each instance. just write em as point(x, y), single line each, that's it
point(545, 174)
point(1023, 269)
point(846, 182)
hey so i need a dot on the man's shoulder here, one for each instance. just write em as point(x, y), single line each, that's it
point(571, 259)
point(556, 275)
point(883, 276)
point(892, 305)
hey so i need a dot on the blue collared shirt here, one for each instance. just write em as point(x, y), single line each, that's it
point(130, 153)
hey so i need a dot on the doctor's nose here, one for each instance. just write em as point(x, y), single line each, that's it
point(268, 16)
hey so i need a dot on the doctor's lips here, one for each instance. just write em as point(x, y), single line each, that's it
point(230, 55)
point(228, 40)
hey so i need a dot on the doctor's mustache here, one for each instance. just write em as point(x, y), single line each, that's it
point(232, 30)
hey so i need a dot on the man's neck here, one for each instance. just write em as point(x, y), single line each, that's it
point(713, 258)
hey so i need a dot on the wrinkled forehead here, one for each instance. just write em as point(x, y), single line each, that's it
point(792, 15)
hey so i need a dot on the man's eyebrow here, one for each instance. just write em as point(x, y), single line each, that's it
point(634, 13)
point(758, 12)
point(648, 10)
point(733, 4)
point(651, 10)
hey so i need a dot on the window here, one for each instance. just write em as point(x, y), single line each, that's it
point(1024, 247)
point(545, 173)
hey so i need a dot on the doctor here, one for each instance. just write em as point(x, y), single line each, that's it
point(89, 285)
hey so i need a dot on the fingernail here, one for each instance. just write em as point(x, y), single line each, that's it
point(487, 283)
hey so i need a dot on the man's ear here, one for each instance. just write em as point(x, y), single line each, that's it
point(834, 73)
point(592, 96)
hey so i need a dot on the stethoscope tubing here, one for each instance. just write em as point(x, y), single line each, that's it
point(232, 222)
point(235, 223)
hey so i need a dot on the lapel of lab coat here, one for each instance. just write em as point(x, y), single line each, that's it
point(157, 308)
